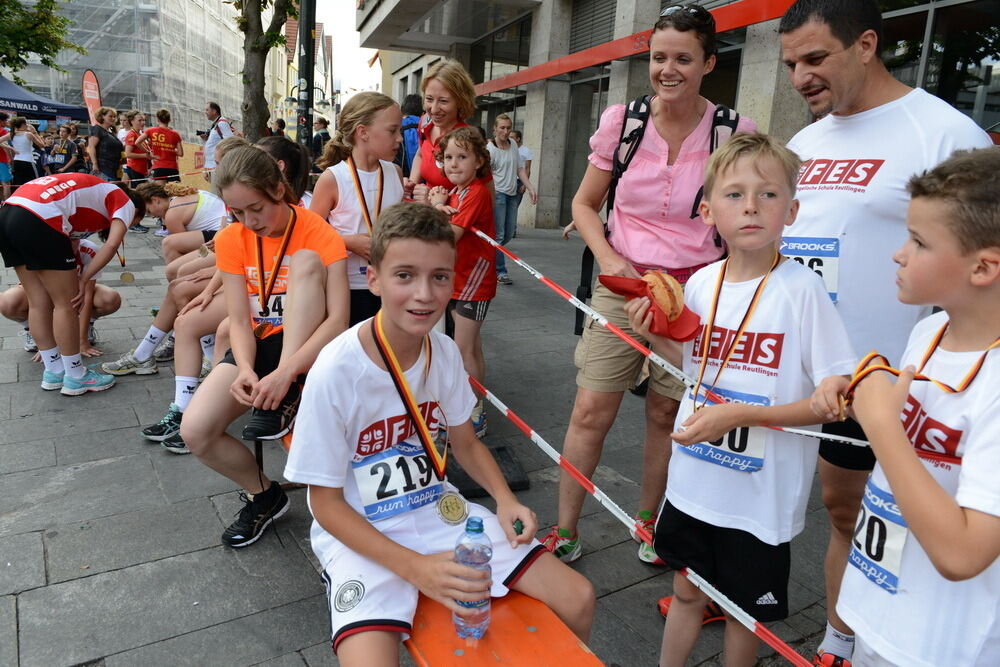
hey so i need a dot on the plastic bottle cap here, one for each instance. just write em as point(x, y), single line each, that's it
point(474, 524)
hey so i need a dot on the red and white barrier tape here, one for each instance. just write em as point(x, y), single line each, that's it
point(642, 349)
point(607, 503)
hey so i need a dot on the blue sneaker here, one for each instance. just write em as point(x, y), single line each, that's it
point(52, 381)
point(92, 381)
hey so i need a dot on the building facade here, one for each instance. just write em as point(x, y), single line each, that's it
point(554, 65)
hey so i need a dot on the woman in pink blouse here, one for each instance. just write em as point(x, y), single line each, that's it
point(654, 224)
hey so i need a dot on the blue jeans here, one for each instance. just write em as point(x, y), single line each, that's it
point(505, 219)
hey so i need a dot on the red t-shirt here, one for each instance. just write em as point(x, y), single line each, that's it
point(163, 144)
point(4, 156)
point(76, 205)
point(138, 165)
point(235, 252)
point(475, 265)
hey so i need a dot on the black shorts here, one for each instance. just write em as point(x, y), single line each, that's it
point(267, 358)
point(209, 234)
point(133, 175)
point(843, 455)
point(751, 573)
point(23, 171)
point(470, 310)
point(364, 304)
point(26, 240)
point(166, 175)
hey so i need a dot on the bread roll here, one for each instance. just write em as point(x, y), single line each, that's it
point(667, 292)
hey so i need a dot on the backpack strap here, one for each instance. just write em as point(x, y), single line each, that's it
point(724, 124)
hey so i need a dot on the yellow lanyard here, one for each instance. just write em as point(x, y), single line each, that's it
point(707, 333)
point(439, 460)
point(361, 193)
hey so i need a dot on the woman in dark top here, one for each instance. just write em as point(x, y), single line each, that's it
point(103, 146)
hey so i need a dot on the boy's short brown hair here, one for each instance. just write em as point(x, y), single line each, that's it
point(755, 145)
point(409, 220)
point(969, 183)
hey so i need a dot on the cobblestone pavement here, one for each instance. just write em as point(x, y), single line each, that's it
point(109, 546)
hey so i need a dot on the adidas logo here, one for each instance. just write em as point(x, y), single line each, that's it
point(767, 598)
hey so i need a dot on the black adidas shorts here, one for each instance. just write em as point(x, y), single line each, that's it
point(25, 240)
point(267, 358)
point(843, 455)
point(751, 573)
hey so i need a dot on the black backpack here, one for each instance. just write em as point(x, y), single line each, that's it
point(724, 123)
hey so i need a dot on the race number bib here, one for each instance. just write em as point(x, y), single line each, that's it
point(396, 480)
point(740, 449)
point(821, 255)
point(879, 536)
point(273, 314)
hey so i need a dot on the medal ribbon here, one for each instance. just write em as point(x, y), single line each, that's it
point(365, 213)
point(706, 335)
point(264, 291)
point(439, 460)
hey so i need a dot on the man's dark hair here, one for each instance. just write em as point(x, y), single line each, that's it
point(412, 105)
point(215, 107)
point(847, 19)
point(3, 116)
point(279, 123)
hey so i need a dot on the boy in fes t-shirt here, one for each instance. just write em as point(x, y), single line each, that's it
point(736, 494)
point(379, 403)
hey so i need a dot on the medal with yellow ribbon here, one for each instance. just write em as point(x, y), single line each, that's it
point(365, 213)
point(126, 277)
point(707, 333)
point(438, 457)
point(264, 290)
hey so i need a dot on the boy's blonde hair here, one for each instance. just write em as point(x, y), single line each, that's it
point(456, 79)
point(361, 109)
point(409, 220)
point(969, 183)
point(753, 145)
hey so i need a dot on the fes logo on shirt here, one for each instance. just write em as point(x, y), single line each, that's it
point(824, 174)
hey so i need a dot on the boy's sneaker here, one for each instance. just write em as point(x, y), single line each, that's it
point(162, 231)
point(29, 342)
point(169, 425)
point(52, 381)
point(91, 381)
point(128, 364)
point(711, 614)
point(647, 554)
point(563, 545)
point(257, 514)
point(504, 279)
point(175, 444)
point(138, 228)
point(273, 424)
point(479, 420)
point(165, 352)
point(824, 659)
point(91, 334)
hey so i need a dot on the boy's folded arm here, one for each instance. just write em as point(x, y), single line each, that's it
point(960, 542)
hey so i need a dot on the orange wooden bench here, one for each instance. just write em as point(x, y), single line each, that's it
point(522, 631)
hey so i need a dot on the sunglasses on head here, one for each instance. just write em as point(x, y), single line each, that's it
point(694, 10)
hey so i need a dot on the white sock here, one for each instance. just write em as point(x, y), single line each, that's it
point(145, 349)
point(74, 366)
point(23, 323)
point(837, 643)
point(52, 360)
point(184, 388)
point(208, 345)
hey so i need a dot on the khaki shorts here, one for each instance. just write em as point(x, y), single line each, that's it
point(607, 363)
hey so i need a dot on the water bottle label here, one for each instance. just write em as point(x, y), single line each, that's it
point(476, 604)
point(452, 508)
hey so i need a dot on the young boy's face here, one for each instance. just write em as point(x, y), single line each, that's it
point(414, 280)
point(932, 267)
point(750, 204)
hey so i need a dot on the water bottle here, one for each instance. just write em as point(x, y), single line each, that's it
point(474, 549)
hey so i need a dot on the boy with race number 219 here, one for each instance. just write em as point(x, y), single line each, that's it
point(736, 495)
point(378, 406)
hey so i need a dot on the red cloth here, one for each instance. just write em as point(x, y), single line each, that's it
point(684, 328)
point(475, 265)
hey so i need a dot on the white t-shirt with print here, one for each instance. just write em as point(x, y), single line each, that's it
point(934, 621)
point(87, 251)
point(352, 430)
point(505, 163)
point(852, 189)
point(793, 340)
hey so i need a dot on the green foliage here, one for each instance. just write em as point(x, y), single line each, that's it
point(250, 13)
point(32, 29)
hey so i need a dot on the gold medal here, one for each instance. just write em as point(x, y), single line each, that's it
point(127, 277)
point(452, 508)
point(262, 329)
point(203, 251)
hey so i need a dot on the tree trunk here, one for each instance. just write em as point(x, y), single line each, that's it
point(255, 109)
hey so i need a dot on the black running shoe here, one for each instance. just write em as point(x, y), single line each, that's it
point(169, 426)
point(273, 424)
point(175, 444)
point(256, 515)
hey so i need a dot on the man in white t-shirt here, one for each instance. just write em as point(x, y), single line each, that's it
point(874, 134)
point(217, 131)
point(505, 161)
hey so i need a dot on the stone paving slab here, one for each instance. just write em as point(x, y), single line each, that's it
point(22, 563)
point(62, 424)
point(8, 631)
point(17, 457)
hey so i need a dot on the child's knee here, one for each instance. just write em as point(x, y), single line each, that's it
point(307, 263)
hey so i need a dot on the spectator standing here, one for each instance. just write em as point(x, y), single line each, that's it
point(321, 135)
point(103, 146)
point(412, 111)
point(24, 139)
point(137, 157)
point(219, 129)
point(505, 161)
point(166, 146)
point(874, 134)
point(526, 158)
point(63, 156)
point(6, 153)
